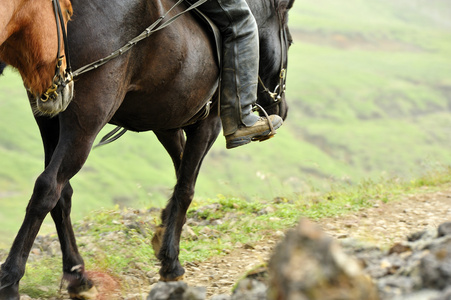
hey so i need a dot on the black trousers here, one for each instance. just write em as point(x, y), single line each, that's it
point(240, 60)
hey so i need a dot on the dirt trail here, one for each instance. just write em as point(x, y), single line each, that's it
point(381, 225)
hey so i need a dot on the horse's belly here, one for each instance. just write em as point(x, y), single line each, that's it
point(140, 112)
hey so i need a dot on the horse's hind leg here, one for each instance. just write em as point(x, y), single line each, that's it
point(174, 143)
point(200, 138)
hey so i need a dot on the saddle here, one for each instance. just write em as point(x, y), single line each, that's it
point(205, 111)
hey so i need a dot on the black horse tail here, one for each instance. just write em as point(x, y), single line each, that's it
point(2, 67)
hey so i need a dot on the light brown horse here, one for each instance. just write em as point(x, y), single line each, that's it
point(29, 42)
point(159, 85)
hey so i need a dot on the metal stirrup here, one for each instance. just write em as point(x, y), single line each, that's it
point(273, 131)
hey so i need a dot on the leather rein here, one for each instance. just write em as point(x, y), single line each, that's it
point(60, 80)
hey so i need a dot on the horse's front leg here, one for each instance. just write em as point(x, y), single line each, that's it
point(66, 160)
point(200, 138)
point(45, 196)
point(80, 286)
point(73, 264)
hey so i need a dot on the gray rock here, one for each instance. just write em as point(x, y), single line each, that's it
point(444, 229)
point(435, 267)
point(308, 264)
point(445, 295)
point(220, 297)
point(177, 290)
point(249, 289)
point(421, 271)
point(419, 295)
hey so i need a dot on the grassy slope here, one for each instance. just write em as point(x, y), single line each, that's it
point(369, 91)
point(374, 84)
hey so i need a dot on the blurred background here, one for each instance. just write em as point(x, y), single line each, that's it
point(369, 90)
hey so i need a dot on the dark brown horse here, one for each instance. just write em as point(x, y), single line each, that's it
point(159, 85)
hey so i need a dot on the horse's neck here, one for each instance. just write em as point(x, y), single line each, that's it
point(261, 9)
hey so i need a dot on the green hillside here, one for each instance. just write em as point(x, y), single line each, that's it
point(369, 89)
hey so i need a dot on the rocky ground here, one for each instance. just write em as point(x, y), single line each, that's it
point(383, 225)
point(379, 227)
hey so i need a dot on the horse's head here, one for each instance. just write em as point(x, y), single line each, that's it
point(275, 39)
point(31, 40)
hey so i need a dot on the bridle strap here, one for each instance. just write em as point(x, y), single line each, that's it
point(59, 80)
point(61, 31)
point(279, 90)
point(64, 33)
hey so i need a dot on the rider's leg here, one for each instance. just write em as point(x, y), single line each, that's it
point(239, 71)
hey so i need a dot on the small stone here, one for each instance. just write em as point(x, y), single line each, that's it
point(399, 248)
point(279, 234)
point(216, 222)
point(444, 229)
point(248, 247)
point(36, 251)
point(188, 233)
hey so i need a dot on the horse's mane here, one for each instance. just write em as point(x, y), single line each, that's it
point(2, 67)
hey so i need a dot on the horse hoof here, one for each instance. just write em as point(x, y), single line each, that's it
point(180, 278)
point(90, 294)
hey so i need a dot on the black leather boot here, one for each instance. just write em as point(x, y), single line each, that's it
point(239, 78)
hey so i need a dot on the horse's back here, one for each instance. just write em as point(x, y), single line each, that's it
point(165, 79)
